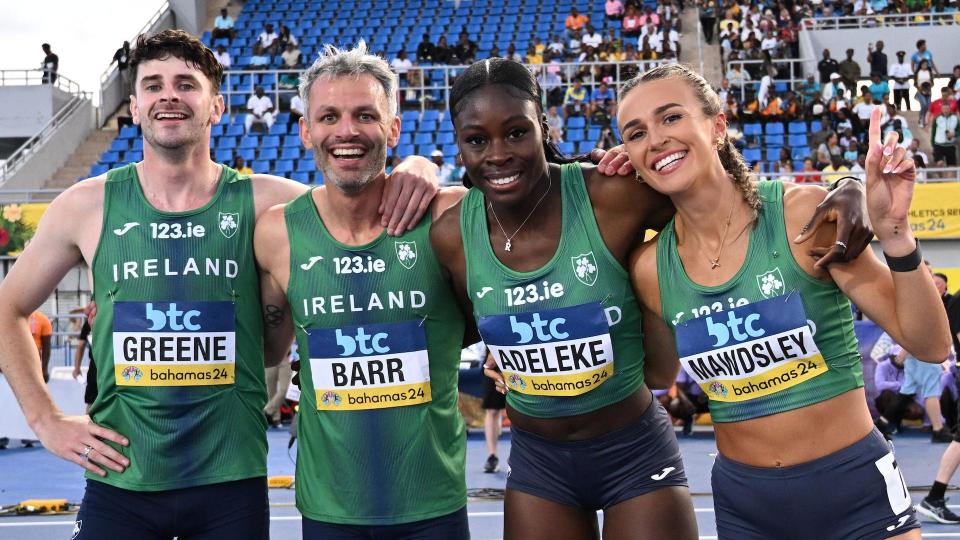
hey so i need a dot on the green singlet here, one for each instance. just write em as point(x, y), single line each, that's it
point(179, 337)
point(379, 333)
point(772, 338)
point(566, 336)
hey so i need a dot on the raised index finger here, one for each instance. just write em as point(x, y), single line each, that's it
point(874, 132)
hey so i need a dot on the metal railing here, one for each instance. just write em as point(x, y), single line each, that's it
point(23, 196)
point(22, 154)
point(794, 65)
point(931, 175)
point(873, 21)
point(111, 68)
point(34, 77)
point(432, 90)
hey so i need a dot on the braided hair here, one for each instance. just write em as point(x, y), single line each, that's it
point(730, 157)
point(517, 81)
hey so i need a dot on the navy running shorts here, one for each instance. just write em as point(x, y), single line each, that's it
point(855, 493)
point(449, 527)
point(226, 511)
point(601, 472)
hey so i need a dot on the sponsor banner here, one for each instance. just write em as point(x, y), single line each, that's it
point(935, 210)
point(559, 352)
point(370, 366)
point(174, 343)
point(751, 351)
point(18, 222)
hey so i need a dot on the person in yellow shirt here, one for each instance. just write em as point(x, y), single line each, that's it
point(42, 330)
point(836, 167)
point(534, 57)
point(241, 166)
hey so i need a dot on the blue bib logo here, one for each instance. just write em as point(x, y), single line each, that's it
point(721, 331)
point(173, 318)
point(365, 343)
point(546, 330)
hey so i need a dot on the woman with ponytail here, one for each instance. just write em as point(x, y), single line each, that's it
point(538, 248)
point(765, 330)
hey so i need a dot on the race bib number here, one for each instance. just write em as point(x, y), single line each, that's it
point(559, 352)
point(174, 343)
point(750, 351)
point(370, 366)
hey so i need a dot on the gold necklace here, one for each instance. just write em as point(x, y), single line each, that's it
point(715, 262)
point(508, 245)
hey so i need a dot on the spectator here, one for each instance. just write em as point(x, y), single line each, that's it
point(50, 65)
point(223, 56)
point(414, 86)
point(810, 88)
point(446, 170)
point(835, 170)
point(425, 50)
point(465, 51)
point(554, 120)
point(458, 170)
point(550, 83)
point(240, 165)
point(666, 39)
point(944, 133)
point(575, 21)
point(630, 26)
point(614, 10)
point(786, 171)
point(808, 169)
point(512, 53)
point(913, 149)
point(296, 108)
point(649, 16)
point(923, 54)
point(575, 98)
point(285, 38)
point(954, 82)
point(42, 330)
point(921, 379)
point(268, 39)
point(122, 56)
point(849, 71)
point(770, 42)
point(591, 40)
point(827, 67)
point(223, 26)
point(291, 56)
point(259, 58)
point(84, 344)
point(879, 88)
point(888, 377)
point(833, 87)
point(556, 46)
point(877, 60)
point(442, 53)
point(261, 110)
point(901, 74)
point(766, 85)
point(947, 99)
point(708, 18)
point(401, 65)
point(724, 90)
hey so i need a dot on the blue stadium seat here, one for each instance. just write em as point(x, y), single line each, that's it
point(575, 135)
point(797, 139)
point(226, 143)
point(267, 153)
point(425, 149)
point(109, 157)
point(129, 132)
point(270, 141)
point(450, 149)
point(235, 130)
point(405, 138)
point(774, 128)
point(137, 144)
point(301, 176)
point(99, 169)
point(567, 148)
point(223, 156)
point(815, 126)
point(306, 165)
point(799, 152)
point(576, 122)
point(428, 126)
point(248, 154)
point(290, 152)
point(773, 154)
point(797, 127)
point(131, 156)
point(752, 154)
point(445, 137)
point(423, 138)
point(405, 150)
point(119, 145)
point(216, 130)
point(431, 115)
point(752, 129)
point(261, 166)
point(409, 115)
point(586, 146)
point(250, 141)
point(773, 141)
point(278, 128)
point(283, 167)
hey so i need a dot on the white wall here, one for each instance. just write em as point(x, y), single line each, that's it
point(24, 110)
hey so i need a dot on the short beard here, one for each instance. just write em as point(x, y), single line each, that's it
point(356, 185)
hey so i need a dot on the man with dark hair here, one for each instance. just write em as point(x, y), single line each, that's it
point(223, 26)
point(849, 71)
point(901, 74)
point(122, 57)
point(50, 65)
point(827, 66)
point(425, 50)
point(182, 337)
point(877, 60)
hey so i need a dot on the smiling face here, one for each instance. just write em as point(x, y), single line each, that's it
point(670, 141)
point(349, 127)
point(174, 103)
point(500, 137)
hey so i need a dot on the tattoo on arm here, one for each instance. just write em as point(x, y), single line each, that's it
point(273, 316)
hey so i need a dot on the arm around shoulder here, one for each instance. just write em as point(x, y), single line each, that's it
point(272, 251)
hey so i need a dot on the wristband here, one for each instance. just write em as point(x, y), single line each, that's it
point(836, 184)
point(907, 263)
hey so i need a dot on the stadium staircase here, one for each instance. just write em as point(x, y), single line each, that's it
point(86, 156)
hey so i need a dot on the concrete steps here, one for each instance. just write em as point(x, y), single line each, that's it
point(78, 166)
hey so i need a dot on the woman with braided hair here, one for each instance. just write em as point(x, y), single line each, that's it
point(766, 331)
point(538, 248)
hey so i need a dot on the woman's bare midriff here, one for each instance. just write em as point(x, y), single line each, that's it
point(797, 436)
point(588, 425)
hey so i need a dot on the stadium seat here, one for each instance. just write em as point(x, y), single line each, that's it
point(223, 156)
point(261, 166)
point(270, 141)
point(773, 141)
point(99, 169)
point(567, 148)
point(109, 157)
point(774, 128)
point(119, 145)
point(131, 156)
point(306, 165)
point(290, 152)
point(137, 144)
point(575, 135)
point(250, 141)
point(815, 126)
point(301, 176)
point(576, 122)
point(267, 153)
point(799, 153)
point(773, 154)
point(752, 154)
point(797, 127)
point(423, 138)
point(283, 167)
point(226, 143)
point(752, 129)
point(428, 126)
point(129, 132)
point(248, 154)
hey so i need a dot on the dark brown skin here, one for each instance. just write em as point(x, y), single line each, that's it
point(501, 134)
